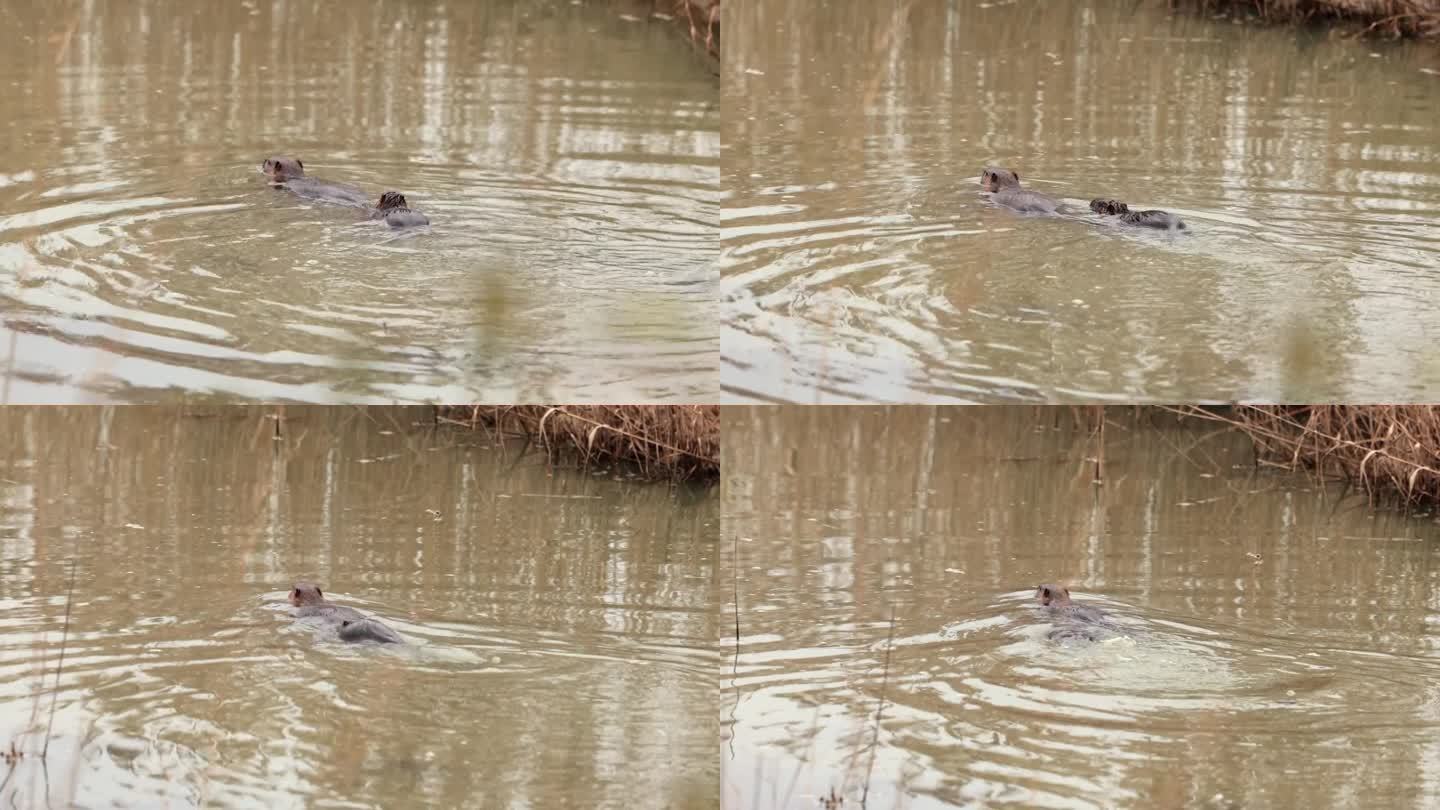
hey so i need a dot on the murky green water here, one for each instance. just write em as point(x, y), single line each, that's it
point(860, 262)
point(1277, 644)
point(567, 156)
point(560, 625)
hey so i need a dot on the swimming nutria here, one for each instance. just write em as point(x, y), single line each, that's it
point(354, 625)
point(1149, 219)
point(289, 173)
point(1005, 187)
point(396, 212)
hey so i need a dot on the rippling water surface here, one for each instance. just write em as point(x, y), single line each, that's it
point(567, 156)
point(1274, 642)
point(560, 625)
point(860, 262)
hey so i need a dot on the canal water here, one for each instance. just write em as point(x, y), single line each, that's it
point(1271, 640)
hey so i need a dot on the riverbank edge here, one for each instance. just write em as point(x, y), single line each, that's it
point(664, 442)
point(1392, 452)
point(1395, 19)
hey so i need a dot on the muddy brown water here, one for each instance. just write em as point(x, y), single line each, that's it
point(1278, 643)
point(559, 624)
point(567, 155)
point(861, 264)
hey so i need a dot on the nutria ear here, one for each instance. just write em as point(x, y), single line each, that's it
point(1017, 176)
point(1066, 591)
point(300, 163)
point(319, 592)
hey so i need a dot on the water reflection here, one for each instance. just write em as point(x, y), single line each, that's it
point(560, 624)
point(861, 265)
point(567, 156)
point(1277, 639)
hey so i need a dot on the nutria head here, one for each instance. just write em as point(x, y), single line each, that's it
point(993, 179)
point(392, 199)
point(306, 593)
point(280, 169)
point(1057, 595)
point(1111, 207)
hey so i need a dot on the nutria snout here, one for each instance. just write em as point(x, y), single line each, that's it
point(993, 179)
point(1056, 595)
point(1055, 600)
point(306, 593)
point(280, 169)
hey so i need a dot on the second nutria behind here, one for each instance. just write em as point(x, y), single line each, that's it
point(1150, 218)
point(397, 212)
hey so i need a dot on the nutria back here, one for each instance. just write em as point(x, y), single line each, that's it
point(367, 630)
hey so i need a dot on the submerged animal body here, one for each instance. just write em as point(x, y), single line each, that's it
point(289, 173)
point(367, 630)
point(397, 212)
point(349, 623)
point(1073, 622)
point(1150, 218)
point(1004, 187)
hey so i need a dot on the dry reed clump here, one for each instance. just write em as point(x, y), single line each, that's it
point(1387, 449)
point(678, 442)
point(1395, 18)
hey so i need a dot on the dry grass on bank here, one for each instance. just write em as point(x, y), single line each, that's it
point(677, 442)
point(1389, 450)
point(1394, 18)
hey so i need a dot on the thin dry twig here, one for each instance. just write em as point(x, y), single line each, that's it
point(884, 680)
point(60, 668)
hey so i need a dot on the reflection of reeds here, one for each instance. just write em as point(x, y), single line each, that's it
point(60, 667)
point(702, 15)
point(879, 710)
point(664, 441)
point(1387, 449)
point(1395, 18)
